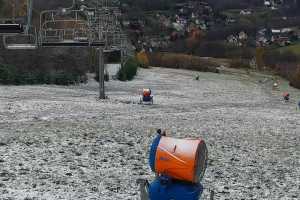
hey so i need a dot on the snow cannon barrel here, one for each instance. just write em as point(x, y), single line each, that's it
point(146, 92)
point(179, 159)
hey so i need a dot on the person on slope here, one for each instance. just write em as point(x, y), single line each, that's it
point(286, 96)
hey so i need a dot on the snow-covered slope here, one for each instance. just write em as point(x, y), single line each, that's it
point(63, 143)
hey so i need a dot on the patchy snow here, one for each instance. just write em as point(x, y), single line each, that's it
point(113, 70)
point(62, 143)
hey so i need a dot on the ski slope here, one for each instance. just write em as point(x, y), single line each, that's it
point(63, 143)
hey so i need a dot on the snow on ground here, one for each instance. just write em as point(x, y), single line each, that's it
point(63, 143)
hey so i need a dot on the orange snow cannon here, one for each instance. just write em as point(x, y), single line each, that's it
point(180, 159)
point(146, 92)
point(146, 98)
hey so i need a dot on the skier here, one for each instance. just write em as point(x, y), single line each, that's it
point(286, 96)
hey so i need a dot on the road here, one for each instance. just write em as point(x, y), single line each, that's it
point(62, 143)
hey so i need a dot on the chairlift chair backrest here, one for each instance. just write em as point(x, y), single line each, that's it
point(8, 29)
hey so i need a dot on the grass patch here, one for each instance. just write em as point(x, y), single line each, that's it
point(295, 48)
point(184, 61)
point(240, 63)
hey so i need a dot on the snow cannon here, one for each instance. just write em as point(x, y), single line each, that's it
point(164, 188)
point(180, 165)
point(147, 98)
point(180, 159)
point(146, 92)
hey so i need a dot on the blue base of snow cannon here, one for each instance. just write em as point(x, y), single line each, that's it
point(153, 150)
point(147, 98)
point(163, 188)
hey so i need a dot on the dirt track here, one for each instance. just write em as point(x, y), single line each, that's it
point(62, 143)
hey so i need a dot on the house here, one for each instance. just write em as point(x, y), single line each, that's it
point(262, 31)
point(166, 22)
point(243, 36)
point(298, 34)
point(202, 25)
point(230, 20)
point(267, 4)
point(184, 12)
point(283, 41)
point(245, 12)
point(262, 38)
point(286, 30)
point(273, 4)
point(276, 31)
point(262, 41)
point(180, 5)
point(232, 39)
point(177, 26)
point(238, 39)
point(126, 23)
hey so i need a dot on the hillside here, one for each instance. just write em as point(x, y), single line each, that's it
point(219, 70)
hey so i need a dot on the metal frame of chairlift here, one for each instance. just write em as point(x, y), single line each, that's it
point(99, 29)
point(11, 29)
point(30, 36)
point(78, 36)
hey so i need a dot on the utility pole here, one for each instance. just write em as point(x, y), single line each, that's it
point(101, 74)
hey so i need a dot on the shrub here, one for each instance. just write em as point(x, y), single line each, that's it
point(220, 49)
point(239, 63)
point(128, 70)
point(10, 75)
point(183, 61)
point(274, 57)
point(295, 79)
point(7, 74)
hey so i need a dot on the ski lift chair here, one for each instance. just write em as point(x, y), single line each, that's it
point(19, 36)
point(69, 31)
point(24, 40)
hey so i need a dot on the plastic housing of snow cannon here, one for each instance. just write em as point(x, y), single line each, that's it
point(179, 159)
point(146, 92)
point(163, 188)
point(147, 95)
